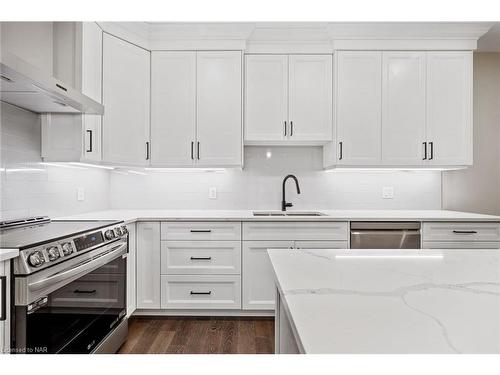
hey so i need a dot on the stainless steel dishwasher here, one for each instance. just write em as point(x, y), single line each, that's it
point(385, 235)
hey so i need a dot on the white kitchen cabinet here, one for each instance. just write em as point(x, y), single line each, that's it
point(297, 231)
point(201, 231)
point(148, 265)
point(258, 286)
point(359, 90)
point(288, 99)
point(126, 88)
point(403, 107)
point(449, 108)
point(196, 109)
point(173, 108)
point(131, 270)
point(219, 109)
point(266, 98)
point(5, 307)
point(321, 245)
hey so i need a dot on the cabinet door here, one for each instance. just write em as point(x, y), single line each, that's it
point(449, 107)
point(92, 87)
point(403, 108)
point(131, 271)
point(259, 289)
point(310, 98)
point(359, 82)
point(321, 244)
point(266, 98)
point(219, 130)
point(148, 265)
point(126, 75)
point(173, 108)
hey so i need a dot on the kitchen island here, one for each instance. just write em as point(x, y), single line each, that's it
point(387, 301)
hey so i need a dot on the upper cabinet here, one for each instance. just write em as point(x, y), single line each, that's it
point(400, 108)
point(196, 109)
point(449, 108)
point(126, 88)
point(288, 99)
point(358, 109)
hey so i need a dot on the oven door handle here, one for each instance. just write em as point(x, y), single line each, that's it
point(81, 268)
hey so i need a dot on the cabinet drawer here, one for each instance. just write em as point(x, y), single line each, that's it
point(461, 232)
point(199, 230)
point(320, 231)
point(460, 245)
point(200, 257)
point(321, 245)
point(200, 292)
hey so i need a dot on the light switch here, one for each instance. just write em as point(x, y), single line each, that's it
point(212, 193)
point(388, 192)
point(80, 194)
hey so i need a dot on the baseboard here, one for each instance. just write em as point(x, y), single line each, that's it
point(229, 313)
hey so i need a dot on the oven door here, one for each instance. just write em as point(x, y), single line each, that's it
point(72, 310)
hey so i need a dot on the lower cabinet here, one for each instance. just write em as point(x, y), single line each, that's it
point(200, 292)
point(148, 265)
point(131, 271)
point(4, 307)
point(259, 290)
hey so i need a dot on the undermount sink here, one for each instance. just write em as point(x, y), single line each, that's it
point(288, 213)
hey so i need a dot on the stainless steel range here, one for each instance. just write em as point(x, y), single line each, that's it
point(69, 289)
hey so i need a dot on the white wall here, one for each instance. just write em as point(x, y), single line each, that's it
point(477, 188)
point(258, 186)
point(29, 188)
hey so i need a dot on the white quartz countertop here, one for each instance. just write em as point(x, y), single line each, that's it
point(246, 215)
point(6, 254)
point(391, 301)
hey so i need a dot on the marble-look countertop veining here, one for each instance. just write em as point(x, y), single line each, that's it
point(391, 301)
point(247, 215)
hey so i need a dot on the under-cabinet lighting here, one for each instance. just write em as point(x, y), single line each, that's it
point(13, 170)
point(63, 165)
point(93, 165)
point(186, 170)
point(376, 256)
point(393, 169)
point(137, 172)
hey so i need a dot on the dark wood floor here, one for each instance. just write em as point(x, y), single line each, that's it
point(199, 335)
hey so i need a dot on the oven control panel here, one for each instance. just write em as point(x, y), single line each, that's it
point(34, 259)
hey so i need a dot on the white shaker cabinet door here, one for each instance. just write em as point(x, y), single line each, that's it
point(449, 108)
point(359, 107)
point(310, 98)
point(148, 265)
point(266, 98)
point(403, 108)
point(259, 288)
point(131, 269)
point(126, 88)
point(219, 109)
point(173, 108)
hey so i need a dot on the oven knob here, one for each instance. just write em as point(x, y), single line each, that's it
point(118, 231)
point(53, 253)
point(124, 229)
point(36, 259)
point(109, 234)
point(67, 248)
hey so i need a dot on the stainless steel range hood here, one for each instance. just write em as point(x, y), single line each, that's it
point(25, 86)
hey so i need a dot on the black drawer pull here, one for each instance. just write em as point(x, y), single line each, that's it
point(201, 258)
point(77, 291)
point(201, 230)
point(201, 293)
point(465, 231)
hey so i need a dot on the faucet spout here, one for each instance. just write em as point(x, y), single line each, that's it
point(284, 203)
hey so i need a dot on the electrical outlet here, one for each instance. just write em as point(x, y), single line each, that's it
point(388, 192)
point(212, 193)
point(80, 194)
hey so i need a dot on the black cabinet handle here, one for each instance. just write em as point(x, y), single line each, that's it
point(201, 293)
point(425, 151)
point(147, 150)
point(3, 300)
point(61, 87)
point(200, 230)
point(77, 291)
point(192, 150)
point(431, 144)
point(465, 231)
point(201, 258)
point(198, 150)
point(341, 151)
point(90, 140)
point(291, 128)
point(284, 128)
